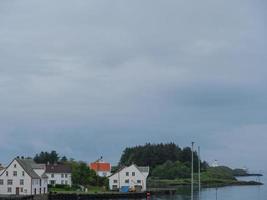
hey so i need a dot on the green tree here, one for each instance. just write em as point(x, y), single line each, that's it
point(171, 170)
point(46, 157)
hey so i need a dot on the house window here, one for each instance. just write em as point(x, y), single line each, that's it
point(21, 182)
point(133, 173)
point(62, 175)
point(127, 181)
point(9, 181)
point(9, 189)
point(15, 166)
point(62, 182)
point(114, 187)
point(21, 190)
point(15, 173)
point(1, 182)
point(138, 181)
point(127, 173)
point(6, 173)
point(23, 173)
point(115, 181)
point(66, 182)
point(66, 175)
point(52, 175)
point(40, 191)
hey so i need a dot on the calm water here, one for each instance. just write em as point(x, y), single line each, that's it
point(226, 193)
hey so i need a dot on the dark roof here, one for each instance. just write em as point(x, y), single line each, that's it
point(28, 165)
point(143, 169)
point(58, 168)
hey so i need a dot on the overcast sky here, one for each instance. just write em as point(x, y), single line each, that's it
point(89, 78)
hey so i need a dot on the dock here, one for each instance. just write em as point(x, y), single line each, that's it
point(112, 195)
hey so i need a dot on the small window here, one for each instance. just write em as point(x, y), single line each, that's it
point(62, 175)
point(62, 182)
point(1, 182)
point(21, 190)
point(21, 182)
point(6, 173)
point(9, 181)
point(133, 173)
point(114, 187)
point(15, 166)
point(9, 189)
point(15, 173)
point(23, 173)
point(138, 181)
point(127, 173)
point(66, 175)
point(115, 181)
point(52, 175)
point(127, 181)
point(66, 182)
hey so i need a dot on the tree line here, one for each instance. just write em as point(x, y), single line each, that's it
point(165, 160)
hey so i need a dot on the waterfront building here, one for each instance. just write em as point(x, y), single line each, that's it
point(131, 178)
point(58, 174)
point(102, 169)
point(215, 163)
point(23, 177)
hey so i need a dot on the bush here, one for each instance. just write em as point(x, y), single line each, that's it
point(171, 170)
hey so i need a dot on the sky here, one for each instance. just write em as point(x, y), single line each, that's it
point(88, 78)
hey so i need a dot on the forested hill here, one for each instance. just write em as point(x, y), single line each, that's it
point(157, 154)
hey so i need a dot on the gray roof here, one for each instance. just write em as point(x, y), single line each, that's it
point(44, 175)
point(58, 168)
point(29, 165)
point(143, 169)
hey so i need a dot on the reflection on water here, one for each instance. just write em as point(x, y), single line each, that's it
point(224, 193)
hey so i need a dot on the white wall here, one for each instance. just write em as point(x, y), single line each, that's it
point(24, 189)
point(29, 184)
point(103, 174)
point(58, 178)
point(121, 176)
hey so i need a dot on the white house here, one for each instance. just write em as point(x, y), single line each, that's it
point(59, 174)
point(215, 163)
point(23, 177)
point(132, 178)
point(102, 169)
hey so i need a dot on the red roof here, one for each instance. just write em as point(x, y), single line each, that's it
point(100, 166)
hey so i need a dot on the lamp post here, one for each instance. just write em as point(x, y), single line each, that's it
point(199, 183)
point(192, 172)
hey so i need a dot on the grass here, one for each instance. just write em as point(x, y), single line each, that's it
point(90, 190)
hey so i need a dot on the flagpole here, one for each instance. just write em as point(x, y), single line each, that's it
point(192, 172)
point(199, 166)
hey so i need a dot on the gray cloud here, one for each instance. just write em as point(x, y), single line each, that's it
point(92, 77)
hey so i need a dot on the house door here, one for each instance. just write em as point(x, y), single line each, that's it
point(17, 190)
